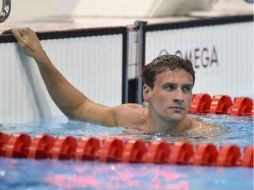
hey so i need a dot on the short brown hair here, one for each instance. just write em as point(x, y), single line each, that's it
point(164, 62)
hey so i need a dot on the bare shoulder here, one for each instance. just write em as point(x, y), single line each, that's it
point(128, 107)
point(128, 115)
point(200, 126)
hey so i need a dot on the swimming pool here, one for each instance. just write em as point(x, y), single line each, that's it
point(51, 174)
point(69, 174)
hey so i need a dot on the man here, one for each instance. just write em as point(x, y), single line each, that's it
point(168, 82)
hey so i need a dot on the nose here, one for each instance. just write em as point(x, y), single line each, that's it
point(178, 96)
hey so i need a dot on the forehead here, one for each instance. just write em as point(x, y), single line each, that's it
point(177, 76)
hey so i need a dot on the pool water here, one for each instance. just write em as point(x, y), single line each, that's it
point(53, 174)
point(228, 130)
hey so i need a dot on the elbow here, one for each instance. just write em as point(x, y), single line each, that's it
point(70, 115)
point(73, 112)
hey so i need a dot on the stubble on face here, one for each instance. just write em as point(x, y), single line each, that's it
point(169, 100)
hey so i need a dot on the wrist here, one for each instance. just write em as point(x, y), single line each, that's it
point(41, 57)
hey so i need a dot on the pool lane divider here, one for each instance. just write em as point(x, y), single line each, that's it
point(221, 104)
point(119, 149)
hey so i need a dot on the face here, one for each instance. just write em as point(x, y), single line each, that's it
point(171, 95)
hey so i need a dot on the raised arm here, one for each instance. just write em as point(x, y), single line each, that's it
point(71, 101)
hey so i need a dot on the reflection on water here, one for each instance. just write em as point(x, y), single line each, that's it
point(228, 129)
point(17, 174)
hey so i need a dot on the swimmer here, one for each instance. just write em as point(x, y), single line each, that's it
point(168, 82)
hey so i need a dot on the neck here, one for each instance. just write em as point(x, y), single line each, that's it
point(159, 125)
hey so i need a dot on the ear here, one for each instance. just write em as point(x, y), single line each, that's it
point(147, 92)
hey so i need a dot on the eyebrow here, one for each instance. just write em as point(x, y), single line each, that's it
point(168, 84)
point(188, 85)
point(174, 84)
point(171, 83)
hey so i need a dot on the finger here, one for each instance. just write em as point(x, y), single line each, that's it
point(10, 31)
point(14, 33)
point(17, 33)
point(6, 32)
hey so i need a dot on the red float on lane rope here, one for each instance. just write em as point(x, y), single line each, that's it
point(112, 150)
point(3, 140)
point(41, 146)
point(221, 104)
point(87, 148)
point(157, 152)
point(200, 103)
point(242, 106)
point(181, 153)
point(64, 148)
point(248, 154)
point(134, 151)
point(228, 155)
point(205, 154)
point(17, 146)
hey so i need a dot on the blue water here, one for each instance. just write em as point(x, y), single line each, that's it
point(228, 130)
point(52, 174)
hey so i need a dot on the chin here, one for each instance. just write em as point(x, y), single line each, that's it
point(177, 117)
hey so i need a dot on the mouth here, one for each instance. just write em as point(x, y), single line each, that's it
point(177, 108)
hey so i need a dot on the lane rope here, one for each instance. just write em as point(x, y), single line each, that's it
point(221, 104)
point(123, 150)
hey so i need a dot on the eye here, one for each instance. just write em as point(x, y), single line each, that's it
point(187, 88)
point(169, 87)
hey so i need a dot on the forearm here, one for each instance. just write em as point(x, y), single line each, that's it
point(65, 96)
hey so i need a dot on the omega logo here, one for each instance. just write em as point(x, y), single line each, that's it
point(200, 57)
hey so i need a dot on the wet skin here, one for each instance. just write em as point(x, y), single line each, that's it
point(170, 98)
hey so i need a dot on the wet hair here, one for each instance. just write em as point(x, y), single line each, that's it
point(163, 63)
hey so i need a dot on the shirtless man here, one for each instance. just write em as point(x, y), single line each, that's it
point(167, 90)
